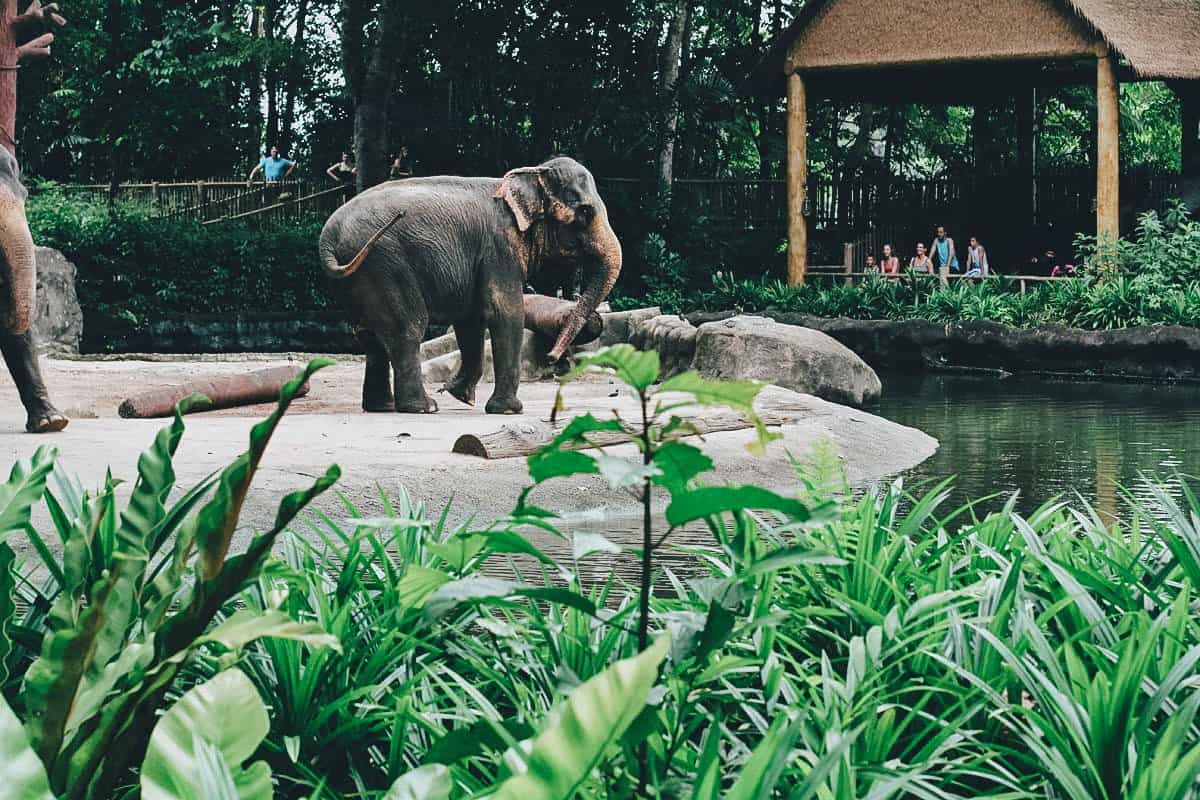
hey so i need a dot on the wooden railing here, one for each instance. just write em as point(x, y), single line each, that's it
point(215, 200)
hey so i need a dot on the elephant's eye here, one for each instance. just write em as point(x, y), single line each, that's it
point(584, 213)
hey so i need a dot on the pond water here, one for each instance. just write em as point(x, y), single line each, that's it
point(1045, 436)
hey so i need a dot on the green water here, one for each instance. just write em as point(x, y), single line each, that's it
point(1044, 437)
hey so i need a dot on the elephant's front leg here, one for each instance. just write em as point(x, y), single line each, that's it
point(506, 323)
point(469, 335)
point(21, 357)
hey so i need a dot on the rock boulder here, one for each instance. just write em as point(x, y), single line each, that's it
point(58, 322)
point(672, 336)
point(801, 359)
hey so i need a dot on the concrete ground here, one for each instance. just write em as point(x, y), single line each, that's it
point(391, 452)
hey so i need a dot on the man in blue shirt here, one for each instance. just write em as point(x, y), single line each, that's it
point(274, 168)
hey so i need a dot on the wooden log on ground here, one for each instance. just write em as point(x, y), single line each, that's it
point(546, 316)
point(226, 391)
point(775, 407)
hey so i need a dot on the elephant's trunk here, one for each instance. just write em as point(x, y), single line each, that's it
point(16, 247)
point(605, 269)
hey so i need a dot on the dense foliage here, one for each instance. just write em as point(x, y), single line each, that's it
point(194, 88)
point(1154, 282)
point(825, 645)
point(135, 268)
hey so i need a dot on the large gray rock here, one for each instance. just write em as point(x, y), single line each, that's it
point(620, 325)
point(801, 359)
point(58, 322)
point(672, 336)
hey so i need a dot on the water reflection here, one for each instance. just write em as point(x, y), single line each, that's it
point(1045, 436)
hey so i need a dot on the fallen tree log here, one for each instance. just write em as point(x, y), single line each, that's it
point(226, 391)
point(774, 406)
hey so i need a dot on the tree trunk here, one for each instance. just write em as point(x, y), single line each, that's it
point(669, 95)
point(371, 71)
point(295, 76)
point(255, 82)
point(270, 20)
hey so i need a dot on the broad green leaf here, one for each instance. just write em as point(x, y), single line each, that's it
point(21, 772)
point(679, 464)
point(418, 584)
point(738, 395)
point(583, 729)
point(476, 587)
point(430, 782)
point(560, 464)
point(639, 369)
point(213, 526)
point(227, 716)
point(622, 472)
point(25, 486)
point(712, 501)
point(707, 785)
point(247, 625)
point(587, 543)
point(794, 556)
point(564, 597)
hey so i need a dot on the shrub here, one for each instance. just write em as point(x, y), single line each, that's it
point(135, 267)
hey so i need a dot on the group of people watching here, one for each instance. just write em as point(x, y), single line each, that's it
point(939, 258)
point(276, 169)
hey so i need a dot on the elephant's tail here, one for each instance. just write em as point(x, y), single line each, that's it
point(336, 270)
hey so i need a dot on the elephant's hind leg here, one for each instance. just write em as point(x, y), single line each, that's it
point(21, 357)
point(470, 349)
point(377, 381)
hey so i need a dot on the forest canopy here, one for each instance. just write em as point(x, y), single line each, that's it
point(188, 89)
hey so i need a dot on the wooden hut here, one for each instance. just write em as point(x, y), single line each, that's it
point(969, 51)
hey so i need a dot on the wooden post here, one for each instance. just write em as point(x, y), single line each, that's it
point(848, 259)
point(1027, 155)
point(797, 178)
point(1108, 155)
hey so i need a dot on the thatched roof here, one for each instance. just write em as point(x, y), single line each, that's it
point(1160, 39)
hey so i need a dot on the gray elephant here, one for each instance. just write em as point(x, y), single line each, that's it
point(459, 251)
point(19, 305)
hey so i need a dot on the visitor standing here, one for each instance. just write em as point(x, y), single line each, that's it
point(890, 265)
point(977, 261)
point(343, 172)
point(401, 165)
point(275, 169)
point(921, 263)
point(945, 258)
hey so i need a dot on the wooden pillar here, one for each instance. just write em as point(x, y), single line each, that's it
point(1027, 146)
point(1108, 150)
point(797, 178)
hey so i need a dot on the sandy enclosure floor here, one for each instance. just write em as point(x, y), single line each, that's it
point(394, 453)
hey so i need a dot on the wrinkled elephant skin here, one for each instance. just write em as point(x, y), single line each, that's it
point(459, 251)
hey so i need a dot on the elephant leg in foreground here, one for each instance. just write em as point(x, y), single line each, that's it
point(506, 324)
point(21, 357)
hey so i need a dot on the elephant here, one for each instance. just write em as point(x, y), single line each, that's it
point(19, 304)
point(459, 251)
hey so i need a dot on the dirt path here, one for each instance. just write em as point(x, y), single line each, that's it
point(397, 453)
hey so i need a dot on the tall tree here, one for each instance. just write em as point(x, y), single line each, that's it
point(669, 93)
point(372, 52)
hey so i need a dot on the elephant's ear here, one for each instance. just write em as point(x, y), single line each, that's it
point(525, 193)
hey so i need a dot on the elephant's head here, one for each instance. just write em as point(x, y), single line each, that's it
point(557, 205)
point(16, 249)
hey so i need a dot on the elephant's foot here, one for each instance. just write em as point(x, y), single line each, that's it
point(419, 405)
point(462, 391)
point(504, 405)
point(379, 405)
point(45, 420)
